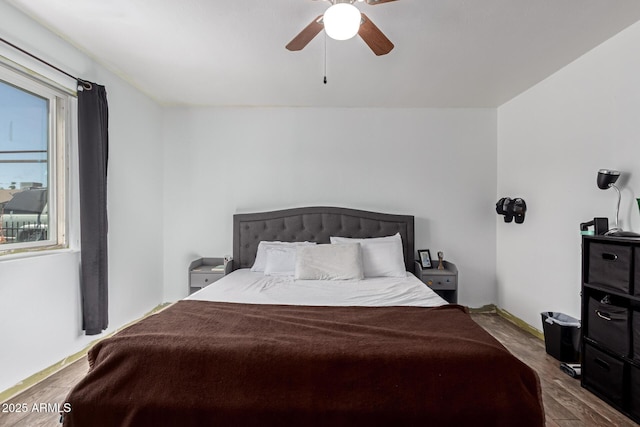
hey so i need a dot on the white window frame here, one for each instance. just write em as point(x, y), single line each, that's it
point(58, 148)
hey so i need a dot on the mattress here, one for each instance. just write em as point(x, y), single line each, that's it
point(248, 287)
point(200, 363)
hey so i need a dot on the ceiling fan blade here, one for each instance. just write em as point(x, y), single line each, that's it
point(374, 2)
point(374, 38)
point(306, 35)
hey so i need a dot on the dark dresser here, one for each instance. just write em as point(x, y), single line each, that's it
point(611, 321)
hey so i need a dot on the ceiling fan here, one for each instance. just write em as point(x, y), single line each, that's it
point(343, 12)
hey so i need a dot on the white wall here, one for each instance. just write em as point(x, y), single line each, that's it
point(552, 140)
point(40, 321)
point(191, 167)
point(436, 164)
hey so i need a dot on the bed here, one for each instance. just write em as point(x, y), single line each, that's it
point(263, 348)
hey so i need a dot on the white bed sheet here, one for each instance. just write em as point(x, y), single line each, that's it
point(248, 287)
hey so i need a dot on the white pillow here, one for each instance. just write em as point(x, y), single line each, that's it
point(381, 256)
point(329, 262)
point(261, 255)
point(281, 261)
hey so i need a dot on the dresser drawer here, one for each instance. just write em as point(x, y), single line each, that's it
point(636, 275)
point(200, 280)
point(635, 334)
point(608, 325)
point(603, 374)
point(610, 266)
point(634, 403)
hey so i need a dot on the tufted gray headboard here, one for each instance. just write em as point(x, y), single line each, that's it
point(316, 224)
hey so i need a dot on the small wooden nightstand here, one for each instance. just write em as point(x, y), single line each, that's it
point(443, 282)
point(202, 273)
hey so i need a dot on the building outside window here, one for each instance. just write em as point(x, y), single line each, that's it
point(33, 178)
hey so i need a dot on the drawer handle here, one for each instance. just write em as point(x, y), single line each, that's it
point(609, 257)
point(602, 363)
point(605, 316)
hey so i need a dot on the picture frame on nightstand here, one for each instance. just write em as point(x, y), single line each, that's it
point(424, 256)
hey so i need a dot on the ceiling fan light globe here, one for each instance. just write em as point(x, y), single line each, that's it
point(342, 21)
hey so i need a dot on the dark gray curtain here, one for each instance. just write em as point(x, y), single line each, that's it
point(93, 153)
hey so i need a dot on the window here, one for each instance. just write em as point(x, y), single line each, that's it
point(33, 120)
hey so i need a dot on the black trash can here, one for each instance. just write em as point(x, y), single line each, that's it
point(561, 336)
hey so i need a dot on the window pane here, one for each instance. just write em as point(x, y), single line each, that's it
point(24, 165)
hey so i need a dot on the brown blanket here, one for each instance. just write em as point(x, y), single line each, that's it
point(219, 364)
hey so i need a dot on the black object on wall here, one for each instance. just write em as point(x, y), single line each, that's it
point(93, 153)
point(512, 209)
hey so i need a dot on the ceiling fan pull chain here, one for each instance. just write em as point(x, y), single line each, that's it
point(325, 58)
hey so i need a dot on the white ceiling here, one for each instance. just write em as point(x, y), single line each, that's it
point(448, 53)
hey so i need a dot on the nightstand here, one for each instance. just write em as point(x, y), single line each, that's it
point(443, 282)
point(203, 272)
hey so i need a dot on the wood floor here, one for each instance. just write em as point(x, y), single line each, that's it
point(566, 403)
